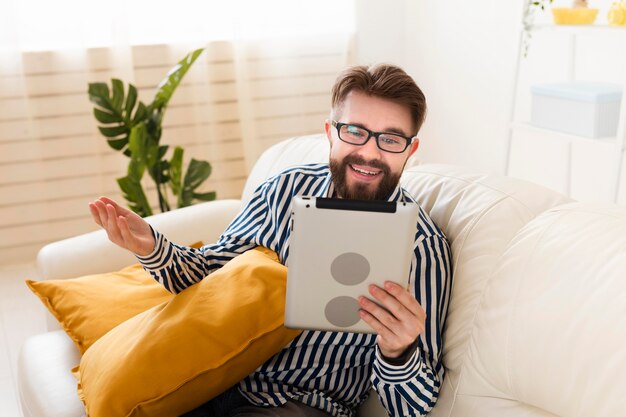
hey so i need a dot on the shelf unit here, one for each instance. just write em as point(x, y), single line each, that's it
point(583, 168)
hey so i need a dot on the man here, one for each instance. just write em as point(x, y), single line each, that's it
point(375, 116)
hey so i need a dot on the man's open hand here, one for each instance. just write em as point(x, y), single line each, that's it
point(399, 323)
point(124, 228)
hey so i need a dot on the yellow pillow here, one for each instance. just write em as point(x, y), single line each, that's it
point(88, 307)
point(177, 355)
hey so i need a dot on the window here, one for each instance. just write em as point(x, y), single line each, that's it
point(32, 25)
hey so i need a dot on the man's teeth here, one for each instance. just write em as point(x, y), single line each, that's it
point(362, 171)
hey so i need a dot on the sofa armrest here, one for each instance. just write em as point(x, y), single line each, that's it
point(93, 253)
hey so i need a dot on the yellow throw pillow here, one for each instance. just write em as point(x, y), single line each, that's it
point(88, 307)
point(177, 355)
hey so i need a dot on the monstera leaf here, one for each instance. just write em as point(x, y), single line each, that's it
point(169, 84)
point(185, 189)
point(135, 128)
point(131, 184)
point(118, 113)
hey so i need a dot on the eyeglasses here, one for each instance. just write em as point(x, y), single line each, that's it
point(356, 135)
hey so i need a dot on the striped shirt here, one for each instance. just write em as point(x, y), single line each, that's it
point(332, 371)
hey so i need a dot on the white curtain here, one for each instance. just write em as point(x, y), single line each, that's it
point(265, 75)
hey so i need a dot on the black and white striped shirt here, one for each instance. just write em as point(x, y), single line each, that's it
point(327, 370)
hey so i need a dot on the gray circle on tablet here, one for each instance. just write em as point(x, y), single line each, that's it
point(350, 268)
point(342, 311)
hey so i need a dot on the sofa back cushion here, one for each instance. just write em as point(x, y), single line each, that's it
point(480, 214)
point(549, 334)
point(295, 151)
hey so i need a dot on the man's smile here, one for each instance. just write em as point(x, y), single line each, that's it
point(365, 172)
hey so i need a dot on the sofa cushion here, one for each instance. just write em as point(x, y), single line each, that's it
point(480, 214)
point(44, 378)
point(295, 151)
point(549, 333)
point(178, 355)
point(93, 253)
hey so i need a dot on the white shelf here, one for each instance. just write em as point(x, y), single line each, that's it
point(580, 29)
point(526, 126)
point(586, 169)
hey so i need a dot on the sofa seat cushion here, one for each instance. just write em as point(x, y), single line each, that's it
point(46, 385)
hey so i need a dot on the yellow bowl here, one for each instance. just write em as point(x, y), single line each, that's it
point(574, 16)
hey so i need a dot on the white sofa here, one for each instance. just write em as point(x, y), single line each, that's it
point(537, 318)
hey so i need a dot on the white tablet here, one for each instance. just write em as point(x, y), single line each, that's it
point(337, 249)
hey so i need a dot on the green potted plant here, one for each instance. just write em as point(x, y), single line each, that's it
point(135, 129)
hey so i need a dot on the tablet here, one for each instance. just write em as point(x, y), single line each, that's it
point(337, 249)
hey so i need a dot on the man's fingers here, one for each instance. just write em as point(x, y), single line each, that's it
point(398, 320)
point(375, 324)
point(125, 232)
point(380, 314)
point(409, 305)
point(119, 209)
point(95, 214)
point(390, 301)
point(112, 228)
point(102, 213)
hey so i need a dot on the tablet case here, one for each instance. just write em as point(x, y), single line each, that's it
point(337, 249)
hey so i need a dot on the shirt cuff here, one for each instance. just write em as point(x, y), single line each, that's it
point(161, 256)
point(397, 373)
point(402, 359)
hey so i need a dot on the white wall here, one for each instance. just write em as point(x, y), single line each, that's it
point(462, 54)
point(380, 31)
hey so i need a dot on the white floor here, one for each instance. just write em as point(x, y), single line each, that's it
point(21, 315)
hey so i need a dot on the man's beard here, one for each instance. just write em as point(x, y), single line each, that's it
point(361, 191)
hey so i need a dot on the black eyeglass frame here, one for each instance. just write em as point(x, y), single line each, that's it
point(370, 134)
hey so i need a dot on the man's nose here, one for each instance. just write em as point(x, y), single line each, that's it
point(370, 150)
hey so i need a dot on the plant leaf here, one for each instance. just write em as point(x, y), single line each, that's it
point(176, 168)
point(175, 75)
point(135, 196)
point(197, 173)
point(105, 117)
point(136, 145)
point(119, 144)
point(159, 172)
point(140, 114)
point(115, 131)
point(131, 100)
point(115, 126)
point(163, 150)
point(99, 95)
point(118, 95)
point(210, 196)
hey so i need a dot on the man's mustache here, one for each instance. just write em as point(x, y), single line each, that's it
point(374, 163)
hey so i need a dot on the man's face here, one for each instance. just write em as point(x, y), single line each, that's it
point(366, 172)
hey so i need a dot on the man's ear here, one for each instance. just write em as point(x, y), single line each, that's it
point(414, 146)
point(327, 128)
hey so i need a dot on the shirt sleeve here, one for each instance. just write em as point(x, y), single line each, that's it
point(412, 388)
point(177, 267)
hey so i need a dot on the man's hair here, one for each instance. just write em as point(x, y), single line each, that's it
point(385, 81)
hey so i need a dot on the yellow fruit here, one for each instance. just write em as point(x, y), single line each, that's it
point(617, 14)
